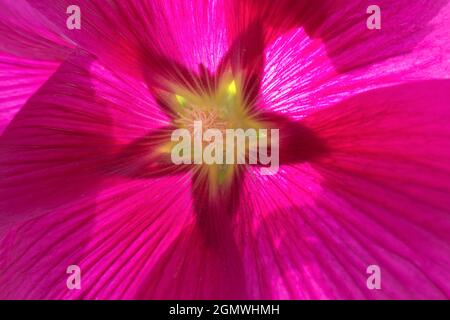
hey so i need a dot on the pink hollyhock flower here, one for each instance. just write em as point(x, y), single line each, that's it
point(364, 178)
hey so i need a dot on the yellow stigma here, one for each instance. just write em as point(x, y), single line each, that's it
point(232, 89)
point(181, 100)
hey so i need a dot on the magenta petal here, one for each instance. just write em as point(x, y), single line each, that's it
point(301, 76)
point(341, 25)
point(404, 27)
point(58, 145)
point(192, 268)
point(19, 79)
point(50, 151)
point(134, 35)
point(386, 186)
point(30, 51)
point(26, 33)
point(115, 238)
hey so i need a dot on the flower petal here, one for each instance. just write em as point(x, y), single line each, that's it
point(44, 150)
point(301, 76)
point(19, 79)
point(153, 36)
point(380, 197)
point(342, 26)
point(30, 51)
point(26, 33)
point(115, 236)
point(61, 142)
